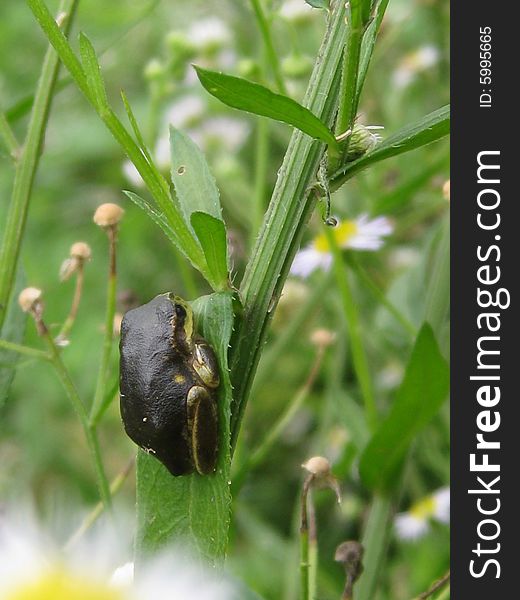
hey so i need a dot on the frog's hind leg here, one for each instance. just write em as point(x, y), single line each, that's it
point(203, 424)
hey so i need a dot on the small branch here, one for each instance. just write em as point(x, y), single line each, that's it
point(25, 350)
point(69, 321)
point(435, 587)
point(7, 134)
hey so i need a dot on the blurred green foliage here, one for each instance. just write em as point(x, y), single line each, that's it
point(143, 49)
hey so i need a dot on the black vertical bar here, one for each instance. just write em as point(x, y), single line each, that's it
point(485, 132)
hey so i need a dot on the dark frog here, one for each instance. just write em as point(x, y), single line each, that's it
point(168, 381)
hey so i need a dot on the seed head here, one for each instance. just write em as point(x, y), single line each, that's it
point(81, 251)
point(30, 299)
point(108, 215)
point(322, 337)
point(318, 466)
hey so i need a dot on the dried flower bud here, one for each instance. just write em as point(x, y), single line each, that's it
point(68, 267)
point(350, 554)
point(30, 299)
point(320, 475)
point(446, 190)
point(322, 337)
point(108, 215)
point(81, 250)
point(318, 466)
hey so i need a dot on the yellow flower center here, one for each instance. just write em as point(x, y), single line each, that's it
point(342, 234)
point(424, 508)
point(58, 585)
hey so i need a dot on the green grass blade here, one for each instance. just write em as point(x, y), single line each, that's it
point(257, 99)
point(430, 128)
point(421, 394)
point(192, 510)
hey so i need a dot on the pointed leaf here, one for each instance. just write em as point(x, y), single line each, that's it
point(318, 3)
point(93, 72)
point(422, 392)
point(193, 510)
point(212, 237)
point(194, 184)
point(257, 99)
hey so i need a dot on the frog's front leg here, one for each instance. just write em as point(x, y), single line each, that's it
point(203, 428)
point(205, 363)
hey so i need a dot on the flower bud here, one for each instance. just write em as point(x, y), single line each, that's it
point(322, 338)
point(108, 215)
point(362, 139)
point(318, 466)
point(81, 250)
point(30, 299)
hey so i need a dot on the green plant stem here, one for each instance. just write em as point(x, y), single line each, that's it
point(359, 358)
point(257, 456)
point(261, 165)
point(71, 317)
point(7, 134)
point(304, 565)
point(25, 350)
point(108, 341)
point(445, 594)
point(81, 411)
point(289, 210)
point(348, 93)
point(380, 296)
point(272, 56)
point(375, 541)
point(27, 165)
point(155, 182)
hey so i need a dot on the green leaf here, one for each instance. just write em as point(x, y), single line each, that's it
point(421, 394)
point(319, 3)
point(194, 185)
point(93, 72)
point(257, 99)
point(135, 128)
point(212, 236)
point(193, 510)
point(429, 129)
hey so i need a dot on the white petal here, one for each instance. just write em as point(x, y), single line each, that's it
point(409, 527)
point(442, 505)
point(308, 260)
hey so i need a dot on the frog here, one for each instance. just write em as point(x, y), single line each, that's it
point(169, 377)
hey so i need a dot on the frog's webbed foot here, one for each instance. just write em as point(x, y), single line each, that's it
point(205, 364)
point(203, 425)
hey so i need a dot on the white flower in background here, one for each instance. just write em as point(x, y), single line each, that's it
point(360, 234)
point(223, 132)
point(207, 35)
point(132, 174)
point(33, 568)
point(414, 63)
point(296, 11)
point(185, 111)
point(415, 523)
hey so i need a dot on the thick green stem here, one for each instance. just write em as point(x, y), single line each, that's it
point(272, 56)
point(27, 165)
point(289, 210)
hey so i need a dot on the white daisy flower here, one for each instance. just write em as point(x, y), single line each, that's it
point(362, 233)
point(296, 11)
point(414, 63)
point(33, 568)
point(207, 35)
point(415, 523)
point(224, 132)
